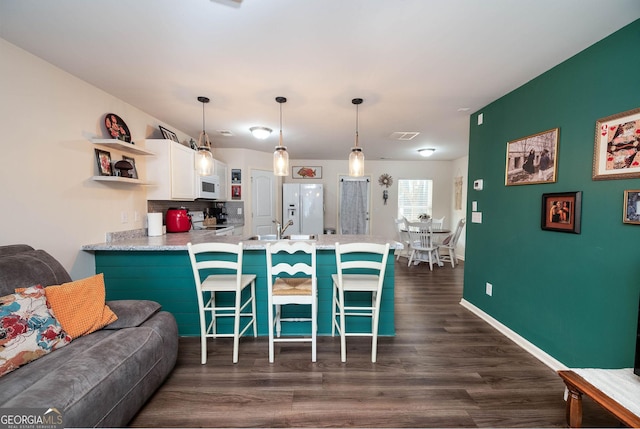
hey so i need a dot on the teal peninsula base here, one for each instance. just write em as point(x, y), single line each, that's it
point(166, 277)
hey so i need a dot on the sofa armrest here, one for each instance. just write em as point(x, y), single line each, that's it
point(131, 313)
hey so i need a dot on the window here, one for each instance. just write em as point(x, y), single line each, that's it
point(414, 198)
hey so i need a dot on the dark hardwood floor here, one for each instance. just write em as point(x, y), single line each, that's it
point(444, 368)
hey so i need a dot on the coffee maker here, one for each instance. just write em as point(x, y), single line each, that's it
point(220, 213)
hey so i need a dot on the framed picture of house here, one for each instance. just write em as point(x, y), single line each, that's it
point(532, 159)
point(562, 212)
point(616, 149)
point(103, 158)
point(631, 212)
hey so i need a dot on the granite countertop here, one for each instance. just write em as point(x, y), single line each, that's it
point(178, 241)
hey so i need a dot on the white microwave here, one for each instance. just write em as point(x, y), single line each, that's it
point(207, 187)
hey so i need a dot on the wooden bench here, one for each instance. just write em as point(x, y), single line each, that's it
point(578, 386)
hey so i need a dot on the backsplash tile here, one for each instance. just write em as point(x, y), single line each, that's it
point(161, 206)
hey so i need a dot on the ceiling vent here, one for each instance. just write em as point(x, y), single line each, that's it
point(404, 135)
point(225, 133)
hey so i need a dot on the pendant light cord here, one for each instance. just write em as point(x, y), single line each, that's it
point(280, 124)
point(357, 102)
point(203, 126)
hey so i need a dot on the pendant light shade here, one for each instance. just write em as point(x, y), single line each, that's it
point(280, 155)
point(204, 157)
point(356, 157)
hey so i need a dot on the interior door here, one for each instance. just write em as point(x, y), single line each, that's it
point(353, 203)
point(263, 202)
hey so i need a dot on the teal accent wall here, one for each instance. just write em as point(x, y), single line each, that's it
point(167, 277)
point(575, 296)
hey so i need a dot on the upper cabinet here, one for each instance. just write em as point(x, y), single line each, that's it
point(171, 172)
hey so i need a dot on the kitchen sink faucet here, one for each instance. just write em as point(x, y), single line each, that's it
point(280, 229)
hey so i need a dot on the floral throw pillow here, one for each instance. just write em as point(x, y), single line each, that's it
point(27, 329)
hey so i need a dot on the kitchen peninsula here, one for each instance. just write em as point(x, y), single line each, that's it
point(158, 269)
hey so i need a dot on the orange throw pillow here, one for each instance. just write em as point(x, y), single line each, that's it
point(79, 306)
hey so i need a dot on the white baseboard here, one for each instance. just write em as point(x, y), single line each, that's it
point(526, 345)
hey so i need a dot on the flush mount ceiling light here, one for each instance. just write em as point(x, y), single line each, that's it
point(261, 132)
point(280, 155)
point(356, 157)
point(204, 157)
point(426, 152)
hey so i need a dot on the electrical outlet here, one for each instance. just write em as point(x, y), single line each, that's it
point(489, 289)
point(136, 216)
point(239, 210)
point(124, 218)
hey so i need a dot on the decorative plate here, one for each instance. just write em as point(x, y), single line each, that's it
point(116, 127)
point(385, 180)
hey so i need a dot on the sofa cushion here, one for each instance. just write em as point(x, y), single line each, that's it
point(80, 306)
point(28, 268)
point(28, 330)
point(131, 313)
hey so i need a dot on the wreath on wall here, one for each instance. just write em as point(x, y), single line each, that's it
point(385, 180)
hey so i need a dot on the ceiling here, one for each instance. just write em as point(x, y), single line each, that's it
point(420, 65)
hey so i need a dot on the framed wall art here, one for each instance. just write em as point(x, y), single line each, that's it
point(116, 127)
point(306, 172)
point(236, 175)
point(562, 212)
point(134, 172)
point(103, 158)
point(616, 153)
point(236, 192)
point(532, 159)
point(631, 207)
point(168, 134)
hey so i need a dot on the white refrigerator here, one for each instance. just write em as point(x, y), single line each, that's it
point(304, 205)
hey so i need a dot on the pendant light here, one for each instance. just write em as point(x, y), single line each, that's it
point(356, 158)
point(204, 157)
point(280, 155)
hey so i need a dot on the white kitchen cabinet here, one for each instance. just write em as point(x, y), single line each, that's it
point(221, 170)
point(171, 173)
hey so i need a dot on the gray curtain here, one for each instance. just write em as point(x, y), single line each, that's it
point(353, 209)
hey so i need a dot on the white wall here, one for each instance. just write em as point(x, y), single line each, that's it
point(460, 168)
point(49, 200)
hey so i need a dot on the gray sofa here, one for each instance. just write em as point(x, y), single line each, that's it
point(98, 380)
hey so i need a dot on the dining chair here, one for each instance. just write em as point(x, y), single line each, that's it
point(217, 267)
point(403, 237)
point(360, 267)
point(423, 248)
point(292, 281)
point(450, 242)
point(437, 223)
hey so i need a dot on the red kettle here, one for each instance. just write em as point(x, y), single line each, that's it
point(178, 220)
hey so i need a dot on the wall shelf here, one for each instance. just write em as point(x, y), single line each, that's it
point(118, 179)
point(123, 146)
